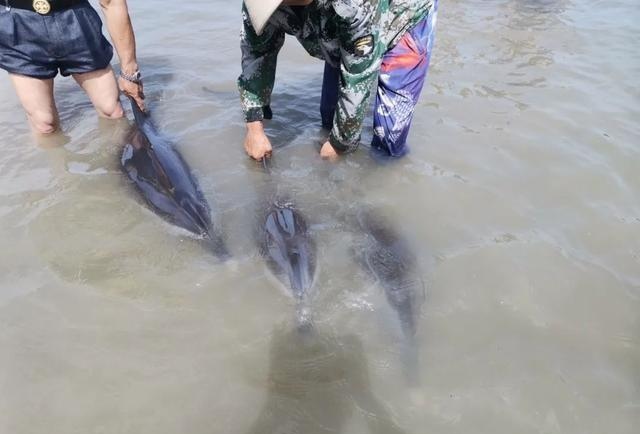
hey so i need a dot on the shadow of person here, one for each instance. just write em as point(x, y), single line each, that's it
point(316, 381)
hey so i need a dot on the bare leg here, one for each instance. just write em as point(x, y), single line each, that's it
point(102, 89)
point(36, 96)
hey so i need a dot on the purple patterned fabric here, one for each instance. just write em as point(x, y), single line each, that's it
point(402, 76)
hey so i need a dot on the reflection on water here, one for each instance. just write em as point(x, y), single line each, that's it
point(317, 382)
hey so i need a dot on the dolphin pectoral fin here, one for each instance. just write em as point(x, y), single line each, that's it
point(127, 154)
point(160, 173)
point(197, 214)
point(163, 203)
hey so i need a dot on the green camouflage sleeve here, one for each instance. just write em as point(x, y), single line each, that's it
point(361, 53)
point(259, 58)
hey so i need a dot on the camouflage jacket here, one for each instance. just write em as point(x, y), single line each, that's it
point(351, 34)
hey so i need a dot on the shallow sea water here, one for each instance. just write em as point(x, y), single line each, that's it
point(521, 199)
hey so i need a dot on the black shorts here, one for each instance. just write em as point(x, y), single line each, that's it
point(69, 41)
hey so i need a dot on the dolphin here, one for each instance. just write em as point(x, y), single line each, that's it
point(388, 258)
point(290, 252)
point(165, 181)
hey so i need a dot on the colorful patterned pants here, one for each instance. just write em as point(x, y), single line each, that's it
point(402, 75)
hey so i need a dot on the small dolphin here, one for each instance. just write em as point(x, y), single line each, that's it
point(165, 181)
point(390, 260)
point(290, 253)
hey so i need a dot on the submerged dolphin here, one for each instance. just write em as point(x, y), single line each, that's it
point(290, 253)
point(390, 260)
point(165, 181)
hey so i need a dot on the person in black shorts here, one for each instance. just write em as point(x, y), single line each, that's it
point(39, 38)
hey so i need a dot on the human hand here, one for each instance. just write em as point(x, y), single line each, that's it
point(132, 90)
point(327, 152)
point(256, 142)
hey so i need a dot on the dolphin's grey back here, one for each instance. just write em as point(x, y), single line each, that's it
point(288, 248)
point(174, 171)
point(389, 259)
point(165, 180)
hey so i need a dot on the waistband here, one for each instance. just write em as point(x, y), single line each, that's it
point(42, 7)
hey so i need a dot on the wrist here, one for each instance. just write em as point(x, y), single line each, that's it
point(336, 145)
point(133, 77)
point(253, 114)
point(255, 127)
point(129, 68)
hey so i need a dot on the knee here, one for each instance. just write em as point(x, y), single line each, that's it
point(43, 122)
point(117, 113)
point(113, 111)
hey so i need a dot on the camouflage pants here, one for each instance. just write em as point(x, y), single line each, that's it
point(402, 76)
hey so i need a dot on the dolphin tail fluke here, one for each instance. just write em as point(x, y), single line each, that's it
point(304, 321)
point(409, 350)
point(216, 244)
point(410, 360)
